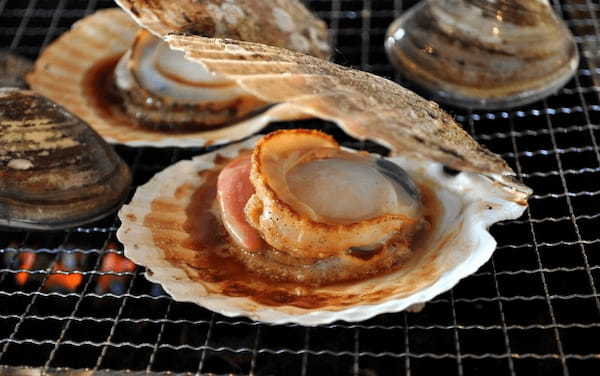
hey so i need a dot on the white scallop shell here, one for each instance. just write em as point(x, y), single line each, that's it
point(459, 246)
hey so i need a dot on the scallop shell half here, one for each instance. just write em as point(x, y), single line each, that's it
point(459, 245)
point(73, 68)
point(364, 105)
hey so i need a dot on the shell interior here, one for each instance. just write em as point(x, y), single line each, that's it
point(457, 247)
point(282, 23)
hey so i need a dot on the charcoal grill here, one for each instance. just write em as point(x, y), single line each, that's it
point(71, 304)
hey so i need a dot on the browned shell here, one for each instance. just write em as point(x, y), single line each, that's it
point(282, 23)
point(364, 105)
point(13, 69)
point(55, 171)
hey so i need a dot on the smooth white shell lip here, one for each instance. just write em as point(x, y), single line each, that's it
point(480, 204)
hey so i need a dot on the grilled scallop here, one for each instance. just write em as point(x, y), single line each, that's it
point(56, 172)
point(306, 186)
point(161, 89)
point(132, 88)
point(324, 214)
point(257, 229)
point(206, 232)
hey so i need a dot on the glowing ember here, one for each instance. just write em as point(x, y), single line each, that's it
point(27, 260)
point(113, 262)
point(68, 281)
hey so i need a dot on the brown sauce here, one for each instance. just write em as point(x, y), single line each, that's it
point(99, 90)
point(206, 257)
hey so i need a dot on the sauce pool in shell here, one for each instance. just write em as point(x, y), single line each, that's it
point(195, 240)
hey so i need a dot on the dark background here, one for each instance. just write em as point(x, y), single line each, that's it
point(533, 309)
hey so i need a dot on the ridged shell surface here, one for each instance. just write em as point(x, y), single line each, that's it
point(364, 105)
point(282, 23)
point(55, 171)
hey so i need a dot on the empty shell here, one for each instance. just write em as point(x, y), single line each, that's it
point(55, 171)
point(364, 105)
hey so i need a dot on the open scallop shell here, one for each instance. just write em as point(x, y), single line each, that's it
point(78, 63)
point(364, 105)
point(64, 71)
point(458, 247)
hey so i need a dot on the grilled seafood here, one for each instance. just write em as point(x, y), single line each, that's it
point(483, 54)
point(133, 89)
point(56, 172)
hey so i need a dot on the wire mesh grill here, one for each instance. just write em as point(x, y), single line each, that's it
point(69, 301)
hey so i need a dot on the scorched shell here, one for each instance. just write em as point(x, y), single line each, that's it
point(162, 223)
point(97, 71)
point(55, 171)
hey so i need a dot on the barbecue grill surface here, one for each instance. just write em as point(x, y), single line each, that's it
point(69, 301)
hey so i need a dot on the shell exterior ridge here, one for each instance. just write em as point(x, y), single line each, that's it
point(284, 23)
point(364, 105)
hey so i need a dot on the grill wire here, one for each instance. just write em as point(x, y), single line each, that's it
point(534, 309)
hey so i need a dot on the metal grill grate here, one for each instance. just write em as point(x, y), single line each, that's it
point(68, 300)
